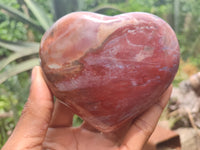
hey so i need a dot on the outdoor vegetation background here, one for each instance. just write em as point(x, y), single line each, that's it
point(23, 22)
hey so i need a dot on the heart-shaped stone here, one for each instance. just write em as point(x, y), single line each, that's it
point(109, 70)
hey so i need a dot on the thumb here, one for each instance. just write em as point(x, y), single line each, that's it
point(31, 129)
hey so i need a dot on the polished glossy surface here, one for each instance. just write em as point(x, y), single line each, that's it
point(108, 70)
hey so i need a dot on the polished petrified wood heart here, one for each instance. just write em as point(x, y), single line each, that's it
point(109, 70)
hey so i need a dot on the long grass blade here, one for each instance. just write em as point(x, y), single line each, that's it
point(12, 12)
point(16, 69)
point(20, 46)
point(15, 56)
point(106, 7)
point(39, 14)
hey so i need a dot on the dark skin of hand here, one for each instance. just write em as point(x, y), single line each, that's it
point(44, 125)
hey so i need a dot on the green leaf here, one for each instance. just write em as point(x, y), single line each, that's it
point(20, 46)
point(20, 16)
point(15, 56)
point(63, 7)
point(39, 14)
point(18, 68)
point(106, 7)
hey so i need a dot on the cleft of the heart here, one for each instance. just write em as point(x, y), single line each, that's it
point(108, 70)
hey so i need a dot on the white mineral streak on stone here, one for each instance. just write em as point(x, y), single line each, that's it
point(80, 82)
point(97, 20)
point(54, 66)
point(132, 31)
point(147, 52)
point(113, 51)
point(133, 44)
point(134, 83)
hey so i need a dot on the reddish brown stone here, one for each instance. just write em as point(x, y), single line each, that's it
point(109, 70)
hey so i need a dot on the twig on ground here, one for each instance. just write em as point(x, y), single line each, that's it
point(191, 119)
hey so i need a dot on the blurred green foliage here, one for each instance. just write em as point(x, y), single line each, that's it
point(182, 15)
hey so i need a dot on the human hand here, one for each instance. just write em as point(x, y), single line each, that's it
point(44, 125)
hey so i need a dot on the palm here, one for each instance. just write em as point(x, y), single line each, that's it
point(77, 139)
point(62, 136)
